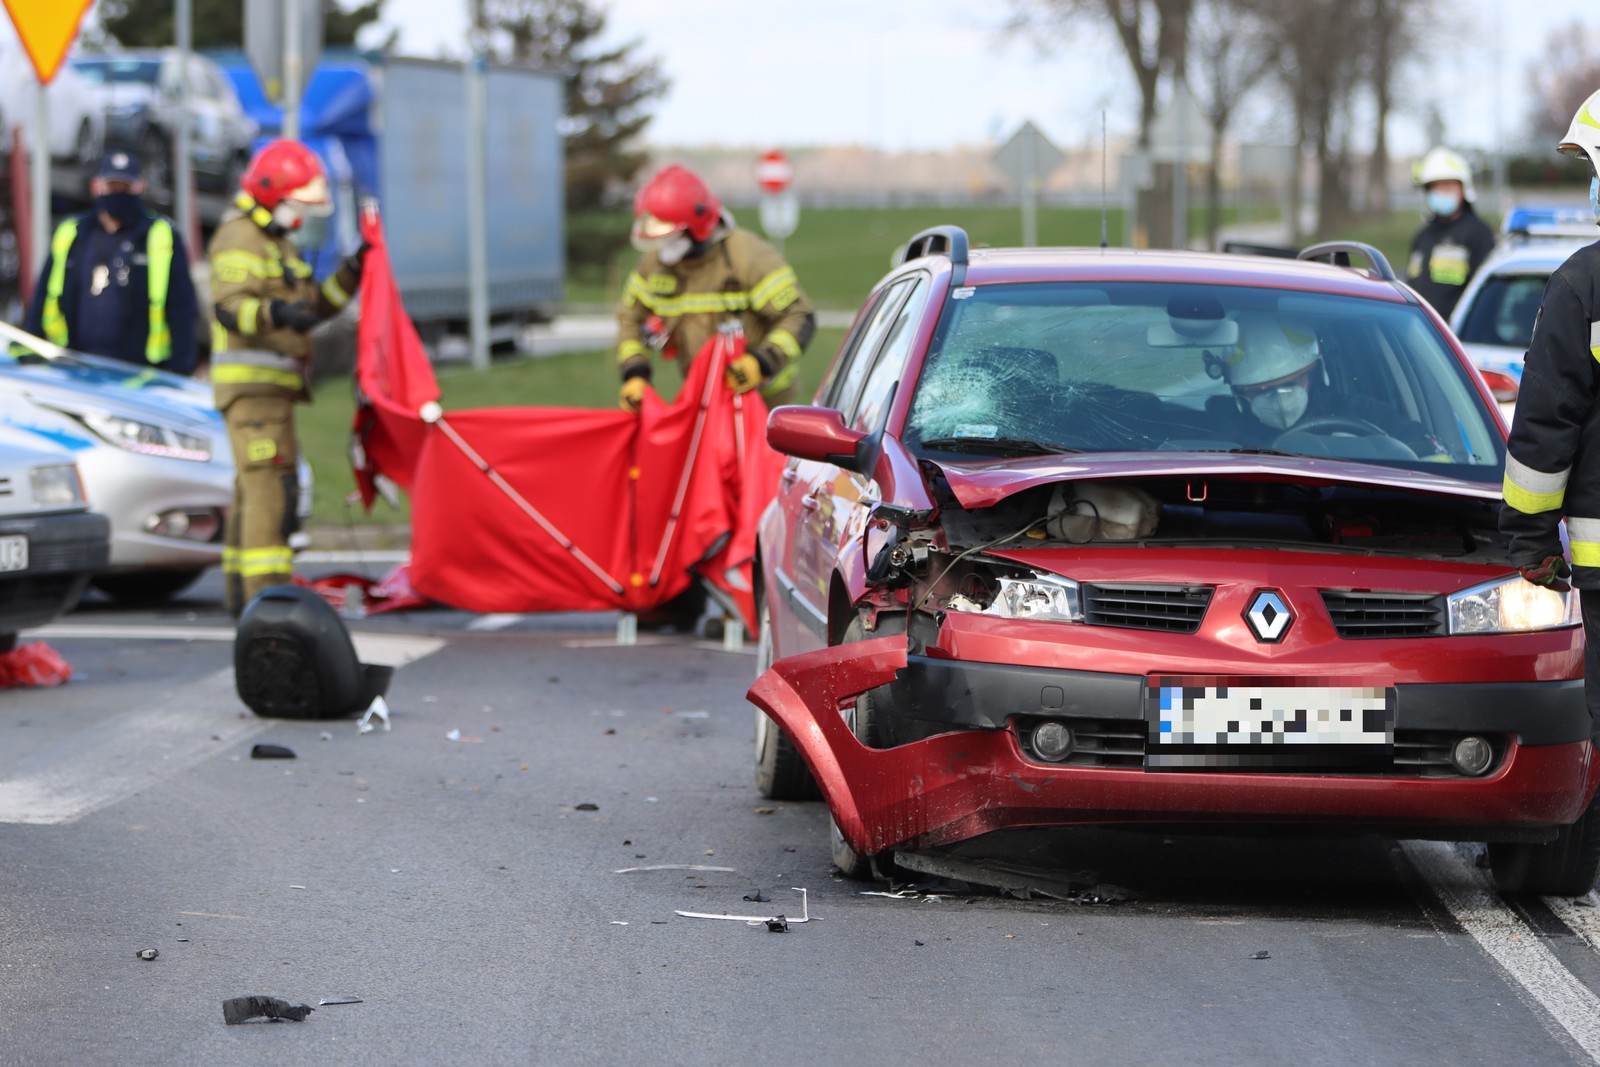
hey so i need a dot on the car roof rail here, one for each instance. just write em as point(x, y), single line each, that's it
point(940, 241)
point(1338, 253)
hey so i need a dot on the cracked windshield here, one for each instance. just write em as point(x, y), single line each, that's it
point(1138, 367)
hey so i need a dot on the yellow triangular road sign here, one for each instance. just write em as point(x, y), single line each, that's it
point(47, 29)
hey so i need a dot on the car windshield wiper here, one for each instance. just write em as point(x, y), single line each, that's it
point(1264, 452)
point(1016, 445)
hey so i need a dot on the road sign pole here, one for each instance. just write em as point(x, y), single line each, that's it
point(291, 70)
point(477, 213)
point(39, 225)
point(183, 192)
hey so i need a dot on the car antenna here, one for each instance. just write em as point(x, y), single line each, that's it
point(1103, 241)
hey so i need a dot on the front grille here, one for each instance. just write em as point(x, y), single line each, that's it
point(1362, 615)
point(1174, 609)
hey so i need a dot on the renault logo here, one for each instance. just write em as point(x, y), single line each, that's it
point(1269, 617)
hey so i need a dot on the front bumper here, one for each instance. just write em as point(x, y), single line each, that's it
point(956, 786)
point(63, 550)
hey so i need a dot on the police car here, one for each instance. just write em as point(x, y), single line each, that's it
point(1494, 319)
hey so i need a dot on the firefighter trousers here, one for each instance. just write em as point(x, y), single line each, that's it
point(266, 489)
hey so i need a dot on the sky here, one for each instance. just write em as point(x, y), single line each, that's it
point(919, 74)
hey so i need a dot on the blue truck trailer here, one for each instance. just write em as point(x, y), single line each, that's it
point(396, 129)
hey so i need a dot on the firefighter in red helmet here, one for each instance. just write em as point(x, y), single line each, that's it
point(699, 271)
point(266, 302)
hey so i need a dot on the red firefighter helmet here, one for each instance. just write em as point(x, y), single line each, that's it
point(286, 178)
point(675, 199)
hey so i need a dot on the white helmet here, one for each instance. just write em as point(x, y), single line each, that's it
point(1443, 165)
point(1583, 136)
point(1270, 350)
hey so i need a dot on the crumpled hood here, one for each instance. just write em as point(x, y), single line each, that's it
point(982, 484)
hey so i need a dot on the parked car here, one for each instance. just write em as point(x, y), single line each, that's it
point(153, 451)
point(140, 92)
point(1043, 541)
point(77, 118)
point(50, 542)
point(1494, 317)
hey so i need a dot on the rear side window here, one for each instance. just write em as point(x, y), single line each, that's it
point(1503, 311)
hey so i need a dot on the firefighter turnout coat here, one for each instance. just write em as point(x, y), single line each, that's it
point(1553, 456)
point(740, 276)
point(251, 266)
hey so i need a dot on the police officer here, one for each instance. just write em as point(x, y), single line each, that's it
point(1553, 456)
point(1454, 242)
point(116, 279)
point(698, 272)
point(266, 303)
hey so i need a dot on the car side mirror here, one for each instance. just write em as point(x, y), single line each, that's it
point(817, 434)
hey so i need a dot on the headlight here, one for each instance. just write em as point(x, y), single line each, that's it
point(1511, 605)
point(148, 438)
point(1045, 598)
point(56, 486)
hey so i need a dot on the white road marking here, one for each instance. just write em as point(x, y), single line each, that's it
point(1580, 919)
point(1467, 894)
point(377, 555)
point(394, 650)
point(136, 749)
point(496, 621)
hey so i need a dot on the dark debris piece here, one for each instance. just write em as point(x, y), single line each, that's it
point(778, 925)
point(148, 954)
point(757, 897)
point(271, 752)
point(243, 1009)
point(586, 807)
point(1262, 955)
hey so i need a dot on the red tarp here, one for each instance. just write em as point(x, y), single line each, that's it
point(560, 509)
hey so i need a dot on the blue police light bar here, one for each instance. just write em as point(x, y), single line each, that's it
point(1549, 222)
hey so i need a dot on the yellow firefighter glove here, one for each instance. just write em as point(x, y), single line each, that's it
point(631, 398)
point(743, 374)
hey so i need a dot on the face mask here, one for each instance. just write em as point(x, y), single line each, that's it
point(312, 233)
point(1594, 197)
point(669, 249)
point(1443, 204)
point(124, 207)
point(1281, 408)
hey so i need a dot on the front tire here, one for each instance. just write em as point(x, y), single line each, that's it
point(780, 772)
point(1566, 867)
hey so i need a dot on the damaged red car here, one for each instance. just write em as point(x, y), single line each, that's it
point(1099, 536)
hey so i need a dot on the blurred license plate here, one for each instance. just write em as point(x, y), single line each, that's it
point(1272, 715)
point(14, 553)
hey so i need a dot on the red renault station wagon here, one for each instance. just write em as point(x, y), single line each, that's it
point(1106, 536)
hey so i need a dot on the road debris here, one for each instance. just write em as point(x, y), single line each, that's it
point(325, 1001)
point(271, 752)
point(148, 954)
point(674, 867)
point(34, 664)
point(619, 922)
point(778, 925)
point(765, 811)
point(757, 897)
point(378, 707)
point(586, 806)
point(243, 1009)
point(1016, 881)
point(758, 920)
point(1261, 955)
point(457, 735)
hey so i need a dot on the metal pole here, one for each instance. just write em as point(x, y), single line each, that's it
point(40, 179)
point(292, 61)
point(182, 199)
point(477, 214)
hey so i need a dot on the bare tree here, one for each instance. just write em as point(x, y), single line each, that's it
point(1561, 79)
point(1230, 52)
point(1396, 31)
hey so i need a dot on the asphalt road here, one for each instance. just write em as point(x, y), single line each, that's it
point(467, 894)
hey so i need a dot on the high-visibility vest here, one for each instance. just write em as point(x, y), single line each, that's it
point(158, 254)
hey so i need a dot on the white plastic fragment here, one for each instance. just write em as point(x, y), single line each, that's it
point(757, 920)
point(674, 867)
point(380, 708)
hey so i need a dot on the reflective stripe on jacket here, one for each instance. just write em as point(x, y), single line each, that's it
point(158, 253)
point(738, 276)
point(1553, 456)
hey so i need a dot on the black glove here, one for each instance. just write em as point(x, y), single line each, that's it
point(357, 260)
point(297, 316)
point(1551, 572)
